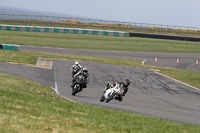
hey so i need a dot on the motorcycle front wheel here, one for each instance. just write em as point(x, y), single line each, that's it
point(102, 98)
point(75, 90)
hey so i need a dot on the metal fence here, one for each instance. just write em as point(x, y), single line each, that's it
point(117, 24)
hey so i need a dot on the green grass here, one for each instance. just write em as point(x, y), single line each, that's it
point(26, 106)
point(93, 42)
point(189, 77)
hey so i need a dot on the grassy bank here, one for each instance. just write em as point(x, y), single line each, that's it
point(93, 42)
point(188, 77)
point(26, 106)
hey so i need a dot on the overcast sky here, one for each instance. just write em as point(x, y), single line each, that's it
point(169, 12)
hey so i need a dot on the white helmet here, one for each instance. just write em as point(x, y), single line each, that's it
point(76, 63)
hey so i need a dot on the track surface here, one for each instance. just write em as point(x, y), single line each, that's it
point(149, 93)
point(186, 61)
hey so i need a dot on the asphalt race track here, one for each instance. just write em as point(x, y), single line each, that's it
point(149, 93)
point(186, 61)
point(43, 76)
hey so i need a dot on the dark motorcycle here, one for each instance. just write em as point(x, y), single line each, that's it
point(80, 82)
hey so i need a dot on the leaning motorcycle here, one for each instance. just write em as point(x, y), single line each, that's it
point(80, 83)
point(112, 93)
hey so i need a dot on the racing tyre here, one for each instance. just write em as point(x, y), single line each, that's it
point(119, 98)
point(102, 98)
point(75, 90)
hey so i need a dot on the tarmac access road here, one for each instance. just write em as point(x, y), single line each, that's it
point(149, 92)
point(186, 61)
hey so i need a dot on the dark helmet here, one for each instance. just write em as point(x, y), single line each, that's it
point(126, 83)
point(85, 70)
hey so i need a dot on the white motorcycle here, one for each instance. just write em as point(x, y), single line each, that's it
point(112, 93)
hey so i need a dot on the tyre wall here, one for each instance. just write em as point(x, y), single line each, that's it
point(169, 37)
point(9, 47)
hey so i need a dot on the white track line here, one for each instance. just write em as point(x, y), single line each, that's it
point(69, 99)
point(56, 85)
point(177, 80)
point(144, 61)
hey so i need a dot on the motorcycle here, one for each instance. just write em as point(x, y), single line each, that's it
point(112, 93)
point(80, 83)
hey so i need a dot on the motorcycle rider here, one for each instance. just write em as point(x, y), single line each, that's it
point(123, 85)
point(84, 72)
point(76, 68)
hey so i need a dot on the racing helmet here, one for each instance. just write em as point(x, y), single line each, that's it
point(77, 63)
point(85, 70)
point(126, 83)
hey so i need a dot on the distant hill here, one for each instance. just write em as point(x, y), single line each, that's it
point(21, 11)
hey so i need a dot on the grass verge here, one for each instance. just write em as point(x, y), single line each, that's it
point(93, 42)
point(26, 106)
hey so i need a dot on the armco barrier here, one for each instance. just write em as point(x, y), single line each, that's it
point(9, 47)
point(164, 37)
point(63, 30)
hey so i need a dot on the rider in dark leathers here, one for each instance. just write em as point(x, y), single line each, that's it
point(84, 72)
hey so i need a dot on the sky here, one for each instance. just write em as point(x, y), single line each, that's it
point(166, 12)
